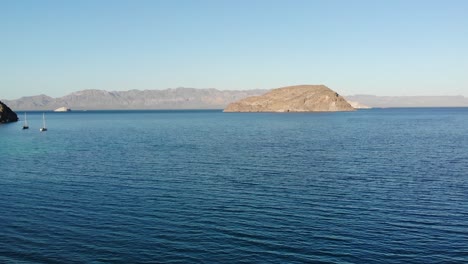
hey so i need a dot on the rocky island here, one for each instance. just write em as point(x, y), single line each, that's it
point(6, 114)
point(299, 98)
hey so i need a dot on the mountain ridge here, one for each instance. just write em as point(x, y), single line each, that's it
point(409, 101)
point(195, 98)
point(172, 98)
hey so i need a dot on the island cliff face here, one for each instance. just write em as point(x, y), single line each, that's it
point(6, 114)
point(300, 98)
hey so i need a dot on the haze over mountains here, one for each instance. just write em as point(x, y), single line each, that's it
point(191, 98)
point(410, 101)
point(178, 98)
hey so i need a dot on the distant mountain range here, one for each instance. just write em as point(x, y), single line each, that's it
point(177, 98)
point(191, 98)
point(409, 101)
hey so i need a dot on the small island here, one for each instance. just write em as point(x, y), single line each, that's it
point(6, 114)
point(299, 98)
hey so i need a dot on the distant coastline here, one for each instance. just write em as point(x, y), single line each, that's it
point(191, 98)
point(409, 101)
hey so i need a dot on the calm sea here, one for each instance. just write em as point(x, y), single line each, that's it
point(372, 186)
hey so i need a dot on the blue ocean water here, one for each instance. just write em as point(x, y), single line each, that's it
point(371, 186)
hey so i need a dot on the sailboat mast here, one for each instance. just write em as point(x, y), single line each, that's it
point(43, 123)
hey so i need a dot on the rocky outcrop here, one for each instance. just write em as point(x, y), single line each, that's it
point(6, 114)
point(300, 98)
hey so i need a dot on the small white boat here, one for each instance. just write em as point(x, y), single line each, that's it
point(44, 128)
point(62, 109)
point(25, 125)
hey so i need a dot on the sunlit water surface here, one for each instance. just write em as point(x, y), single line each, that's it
point(372, 186)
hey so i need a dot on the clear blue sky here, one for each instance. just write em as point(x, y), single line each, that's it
point(377, 47)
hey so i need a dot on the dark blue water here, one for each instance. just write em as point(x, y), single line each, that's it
point(372, 186)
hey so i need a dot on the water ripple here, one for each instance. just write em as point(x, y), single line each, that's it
point(377, 186)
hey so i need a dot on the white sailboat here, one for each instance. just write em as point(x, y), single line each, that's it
point(44, 128)
point(25, 125)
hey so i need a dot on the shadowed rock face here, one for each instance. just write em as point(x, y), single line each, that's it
point(6, 114)
point(300, 98)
